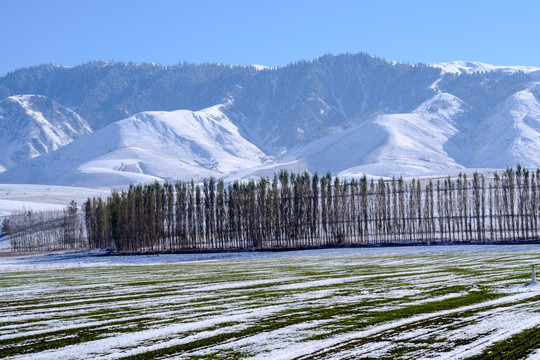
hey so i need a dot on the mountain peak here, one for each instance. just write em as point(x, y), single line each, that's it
point(349, 114)
point(148, 146)
point(33, 125)
point(469, 67)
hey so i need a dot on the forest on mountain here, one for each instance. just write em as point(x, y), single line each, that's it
point(274, 108)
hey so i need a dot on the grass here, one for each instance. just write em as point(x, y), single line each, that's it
point(518, 346)
point(417, 305)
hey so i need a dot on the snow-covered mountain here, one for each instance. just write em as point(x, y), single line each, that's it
point(468, 67)
point(146, 147)
point(435, 139)
point(33, 125)
point(390, 144)
point(349, 114)
point(511, 134)
point(274, 108)
point(384, 145)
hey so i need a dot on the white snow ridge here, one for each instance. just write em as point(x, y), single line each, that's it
point(33, 125)
point(148, 146)
point(410, 144)
point(349, 114)
point(467, 67)
point(512, 133)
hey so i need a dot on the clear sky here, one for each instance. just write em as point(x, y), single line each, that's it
point(272, 32)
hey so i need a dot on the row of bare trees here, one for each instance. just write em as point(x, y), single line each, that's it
point(45, 230)
point(299, 210)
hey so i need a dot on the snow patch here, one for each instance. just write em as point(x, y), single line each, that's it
point(468, 67)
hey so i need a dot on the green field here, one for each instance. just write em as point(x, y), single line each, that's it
point(337, 306)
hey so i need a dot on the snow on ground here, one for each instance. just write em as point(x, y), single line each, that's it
point(97, 258)
point(417, 301)
point(23, 197)
point(12, 206)
point(17, 197)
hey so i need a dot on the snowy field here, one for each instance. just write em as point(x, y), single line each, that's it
point(23, 197)
point(17, 197)
point(446, 302)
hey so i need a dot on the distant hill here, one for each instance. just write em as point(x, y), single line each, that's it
point(33, 125)
point(350, 114)
point(148, 146)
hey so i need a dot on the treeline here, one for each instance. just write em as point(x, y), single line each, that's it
point(290, 211)
point(299, 210)
point(46, 230)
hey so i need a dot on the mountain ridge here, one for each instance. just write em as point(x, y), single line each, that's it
point(146, 147)
point(351, 113)
point(33, 125)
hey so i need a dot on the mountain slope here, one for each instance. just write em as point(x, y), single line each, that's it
point(274, 108)
point(511, 135)
point(33, 125)
point(349, 114)
point(145, 147)
point(408, 144)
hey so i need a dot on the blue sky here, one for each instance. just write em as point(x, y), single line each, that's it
point(70, 32)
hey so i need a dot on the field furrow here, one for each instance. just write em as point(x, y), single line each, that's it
point(325, 305)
